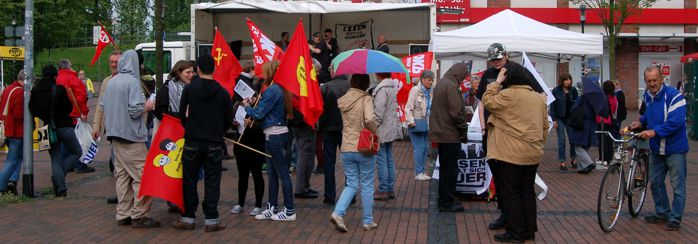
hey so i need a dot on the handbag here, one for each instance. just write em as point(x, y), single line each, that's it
point(368, 144)
point(420, 126)
point(4, 115)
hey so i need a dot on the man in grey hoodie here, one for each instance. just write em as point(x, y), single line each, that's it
point(125, 110)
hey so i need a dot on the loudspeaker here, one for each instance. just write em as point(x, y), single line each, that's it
point(203, 48)
point(418, 48)
point(236, 47)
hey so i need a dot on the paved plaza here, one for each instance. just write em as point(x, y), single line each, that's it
point(567, 215)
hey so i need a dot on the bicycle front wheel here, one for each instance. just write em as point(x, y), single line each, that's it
point(639, 179)
point(610, 199)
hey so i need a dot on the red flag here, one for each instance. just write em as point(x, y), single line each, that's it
point(297, 75)
point(263, 49)
point(416, 64)
point(162, 173)
point(104, 40)
point(227, 65)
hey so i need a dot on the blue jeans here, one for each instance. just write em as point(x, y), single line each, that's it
point(420, 150)
point(279, 147)
point(331, 141)
point(61, 165)
point(675, 165)
point(562, 131)
point(13, 164)
point(386, 168)
point(358, 170)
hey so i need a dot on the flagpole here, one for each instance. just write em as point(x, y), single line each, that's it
point(245, 146)
point(254, 106)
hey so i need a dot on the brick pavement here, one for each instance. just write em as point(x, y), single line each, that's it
point(567, 215)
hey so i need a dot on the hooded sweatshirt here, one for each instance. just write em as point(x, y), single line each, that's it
point(357, 112)
point(123, 102)
point(206, 112)
point(447, 120)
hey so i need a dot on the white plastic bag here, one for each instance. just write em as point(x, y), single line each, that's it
point(89, 147)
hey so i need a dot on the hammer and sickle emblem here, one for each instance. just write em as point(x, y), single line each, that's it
point(219, 56)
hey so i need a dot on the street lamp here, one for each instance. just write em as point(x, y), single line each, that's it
point(582, 19)
point(582, 15)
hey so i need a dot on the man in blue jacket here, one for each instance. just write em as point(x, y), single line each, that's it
point(665, 119)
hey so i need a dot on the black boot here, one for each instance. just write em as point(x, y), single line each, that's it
point(12, 187)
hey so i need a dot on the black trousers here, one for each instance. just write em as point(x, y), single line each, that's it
point(495, 167)
point(605, 143)
point(194, 157)
point(519, 198)
point(448, 173)
point(249, 161)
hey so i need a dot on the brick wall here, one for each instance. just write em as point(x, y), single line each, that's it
point(627, 58)
point(562, 68)
point(498, 3)
point(564, 3)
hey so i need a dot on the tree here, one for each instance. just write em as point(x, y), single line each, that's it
point(177, 15)
point(613, 14)
point(132, 20)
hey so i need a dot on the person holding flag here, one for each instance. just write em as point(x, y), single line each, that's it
point(206, 112)
point(273, 110)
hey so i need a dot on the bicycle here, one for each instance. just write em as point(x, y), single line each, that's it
point(615, 187)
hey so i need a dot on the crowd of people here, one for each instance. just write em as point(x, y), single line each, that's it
point(512, 103)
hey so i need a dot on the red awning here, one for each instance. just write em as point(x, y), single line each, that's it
point(692, 56)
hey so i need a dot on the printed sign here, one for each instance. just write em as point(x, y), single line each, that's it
point(353, 36)
point(474, 173)
point(451, 11)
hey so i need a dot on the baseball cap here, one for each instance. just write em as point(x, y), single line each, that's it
point(496, 51)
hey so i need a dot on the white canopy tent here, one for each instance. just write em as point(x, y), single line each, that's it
point(517, 33)
point(309, 7)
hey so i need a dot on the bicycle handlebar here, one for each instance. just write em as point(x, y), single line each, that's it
point(632, 135)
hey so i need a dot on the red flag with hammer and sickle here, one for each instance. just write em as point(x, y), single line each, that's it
point(297, 75)
point(227, 65)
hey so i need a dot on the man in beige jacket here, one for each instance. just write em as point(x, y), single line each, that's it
point(98, 120)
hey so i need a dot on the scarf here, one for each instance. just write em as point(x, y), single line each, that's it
point(175, 88)
point(427, 96)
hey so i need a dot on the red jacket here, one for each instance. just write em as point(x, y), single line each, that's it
point(14, 122)
point(69, 79)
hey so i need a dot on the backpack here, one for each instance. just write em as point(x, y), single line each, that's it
point(576, 117)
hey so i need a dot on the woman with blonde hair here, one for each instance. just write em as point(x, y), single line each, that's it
point(273, 111)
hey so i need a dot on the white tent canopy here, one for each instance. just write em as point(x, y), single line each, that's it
point(309, 7)
point(518, 33)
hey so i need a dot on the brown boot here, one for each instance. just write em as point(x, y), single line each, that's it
point(381, 196)
point(182, 226)
point(215, 227)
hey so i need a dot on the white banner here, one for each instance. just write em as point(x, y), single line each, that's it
point(353, 36)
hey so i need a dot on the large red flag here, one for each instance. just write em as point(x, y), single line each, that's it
point(104, 40)
point(162, 173)
point(263, 49)
point(297, 75)
point(227, 65)
point(416, 64)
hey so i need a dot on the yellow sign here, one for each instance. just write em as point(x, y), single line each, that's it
point(13, 53)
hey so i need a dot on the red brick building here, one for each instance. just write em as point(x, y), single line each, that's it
point(658, 35)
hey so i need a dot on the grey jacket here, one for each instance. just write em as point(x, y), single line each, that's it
point(385, 108)
point(123, 102)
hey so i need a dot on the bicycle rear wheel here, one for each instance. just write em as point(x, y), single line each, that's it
point(610, 200)
point(639, 178)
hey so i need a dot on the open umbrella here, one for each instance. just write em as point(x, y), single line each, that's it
point(365, 61)
point(597, 99)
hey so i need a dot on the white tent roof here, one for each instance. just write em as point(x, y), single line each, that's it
point(517, 33)
point(308, 7)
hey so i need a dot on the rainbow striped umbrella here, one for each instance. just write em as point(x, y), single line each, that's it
point(365, 61)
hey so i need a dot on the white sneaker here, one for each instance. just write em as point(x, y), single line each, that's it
point(425, 177)
point(282, 216)
point(236, 210)
point(266, 214)
point(338, 223)
point(256, 211)
point(418, 177)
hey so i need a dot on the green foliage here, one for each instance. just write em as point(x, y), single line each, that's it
point(59, 22)
point(132, 20)
point(177, 15)
point(6, 199)
point(80, 58)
